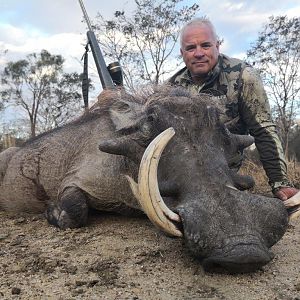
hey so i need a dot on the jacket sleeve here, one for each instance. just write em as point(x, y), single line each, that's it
point(255, 112)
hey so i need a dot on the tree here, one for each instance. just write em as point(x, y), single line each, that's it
point(276, 54)
point(144, 42)
point(2, 54)
point(39, 86)
point(294, 143)
point(63, 104)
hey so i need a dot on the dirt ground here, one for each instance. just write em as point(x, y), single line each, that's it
point(116, 257)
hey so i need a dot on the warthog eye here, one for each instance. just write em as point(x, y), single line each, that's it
point(150, 118)
point(121, 106)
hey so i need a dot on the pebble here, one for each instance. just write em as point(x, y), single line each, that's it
point(19, 221)
point(80, 283)
point(297, 286)
point(15, 291)
point(3, 236)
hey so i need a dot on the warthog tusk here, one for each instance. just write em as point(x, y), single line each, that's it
point(295, 200)
point(147, 190)
point(231, 187)
point(294, 215)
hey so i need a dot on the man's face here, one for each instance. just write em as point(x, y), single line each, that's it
point(199, 50)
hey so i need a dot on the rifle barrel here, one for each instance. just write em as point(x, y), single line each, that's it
point(85, 15)
point(103, 73)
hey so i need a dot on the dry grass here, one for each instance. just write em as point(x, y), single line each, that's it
point(261, 180)
point(294, 172)
point(255, 170)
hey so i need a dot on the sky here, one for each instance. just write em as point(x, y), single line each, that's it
point(57, 25)
point(32, 25)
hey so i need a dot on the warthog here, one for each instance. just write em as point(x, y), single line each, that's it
point(174, 153)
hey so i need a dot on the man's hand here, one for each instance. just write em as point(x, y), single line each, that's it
point(289, 195)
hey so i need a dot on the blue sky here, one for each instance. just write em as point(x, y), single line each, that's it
point(56, 25)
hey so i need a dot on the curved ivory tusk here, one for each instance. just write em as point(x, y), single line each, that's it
point(231, 187)
point(295, 200)
point(147, 191)
point(294, 215)
point(134, 187)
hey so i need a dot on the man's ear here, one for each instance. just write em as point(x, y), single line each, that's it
point(181, 51)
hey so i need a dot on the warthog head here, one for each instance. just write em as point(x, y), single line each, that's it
point(184, 183)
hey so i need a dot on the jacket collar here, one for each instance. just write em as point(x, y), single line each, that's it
point(185, 77)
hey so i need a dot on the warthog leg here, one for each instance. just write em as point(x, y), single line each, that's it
point(70, 211)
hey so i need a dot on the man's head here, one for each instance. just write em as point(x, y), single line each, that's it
point(199, 47)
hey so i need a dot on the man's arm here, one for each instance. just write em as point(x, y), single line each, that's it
point(255, 112)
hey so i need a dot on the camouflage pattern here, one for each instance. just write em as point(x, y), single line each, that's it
point(238, 90)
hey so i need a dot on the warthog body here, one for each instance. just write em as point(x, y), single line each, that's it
point(64, 173)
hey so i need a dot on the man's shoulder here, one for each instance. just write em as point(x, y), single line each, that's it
point(178, 76)
point(232, 64)
point(230, 59)
point(237, 70)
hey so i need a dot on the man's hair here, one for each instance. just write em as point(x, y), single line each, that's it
point(199, 22)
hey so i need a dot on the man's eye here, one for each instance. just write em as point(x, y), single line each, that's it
point(206, 46)
point(190, 48)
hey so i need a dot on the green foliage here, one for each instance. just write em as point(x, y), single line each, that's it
point(144, 42)
point(276, 53)
point(39, 86)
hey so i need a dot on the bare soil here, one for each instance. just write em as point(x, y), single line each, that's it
point(115, 257)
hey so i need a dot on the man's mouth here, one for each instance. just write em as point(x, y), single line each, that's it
point(199, 62)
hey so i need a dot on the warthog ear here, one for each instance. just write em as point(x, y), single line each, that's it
point(234, 143)
point(126, 114)
point(125, 146)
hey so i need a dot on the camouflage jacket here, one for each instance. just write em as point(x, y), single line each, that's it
point(239, 91)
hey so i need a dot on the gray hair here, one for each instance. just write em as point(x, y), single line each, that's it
point(199, 22)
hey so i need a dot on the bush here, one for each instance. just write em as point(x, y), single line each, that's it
point(262, 187)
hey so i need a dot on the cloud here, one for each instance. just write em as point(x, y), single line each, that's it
point(239, 22)
point(57, 15)
point(21, 42)
point(57, 26)
point(293, 12)
point(33, 25)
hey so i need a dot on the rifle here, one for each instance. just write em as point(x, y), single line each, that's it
point(109, 76)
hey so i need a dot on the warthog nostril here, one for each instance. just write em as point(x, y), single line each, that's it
point(241, 259)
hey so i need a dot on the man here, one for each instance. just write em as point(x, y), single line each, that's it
point(238, 89)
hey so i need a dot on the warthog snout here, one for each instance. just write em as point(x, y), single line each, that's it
point(241, 258)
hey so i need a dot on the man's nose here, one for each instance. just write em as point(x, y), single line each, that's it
point(198, 51)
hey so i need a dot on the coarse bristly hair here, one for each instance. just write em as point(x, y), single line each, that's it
point(148, 95)
point(186, 108)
